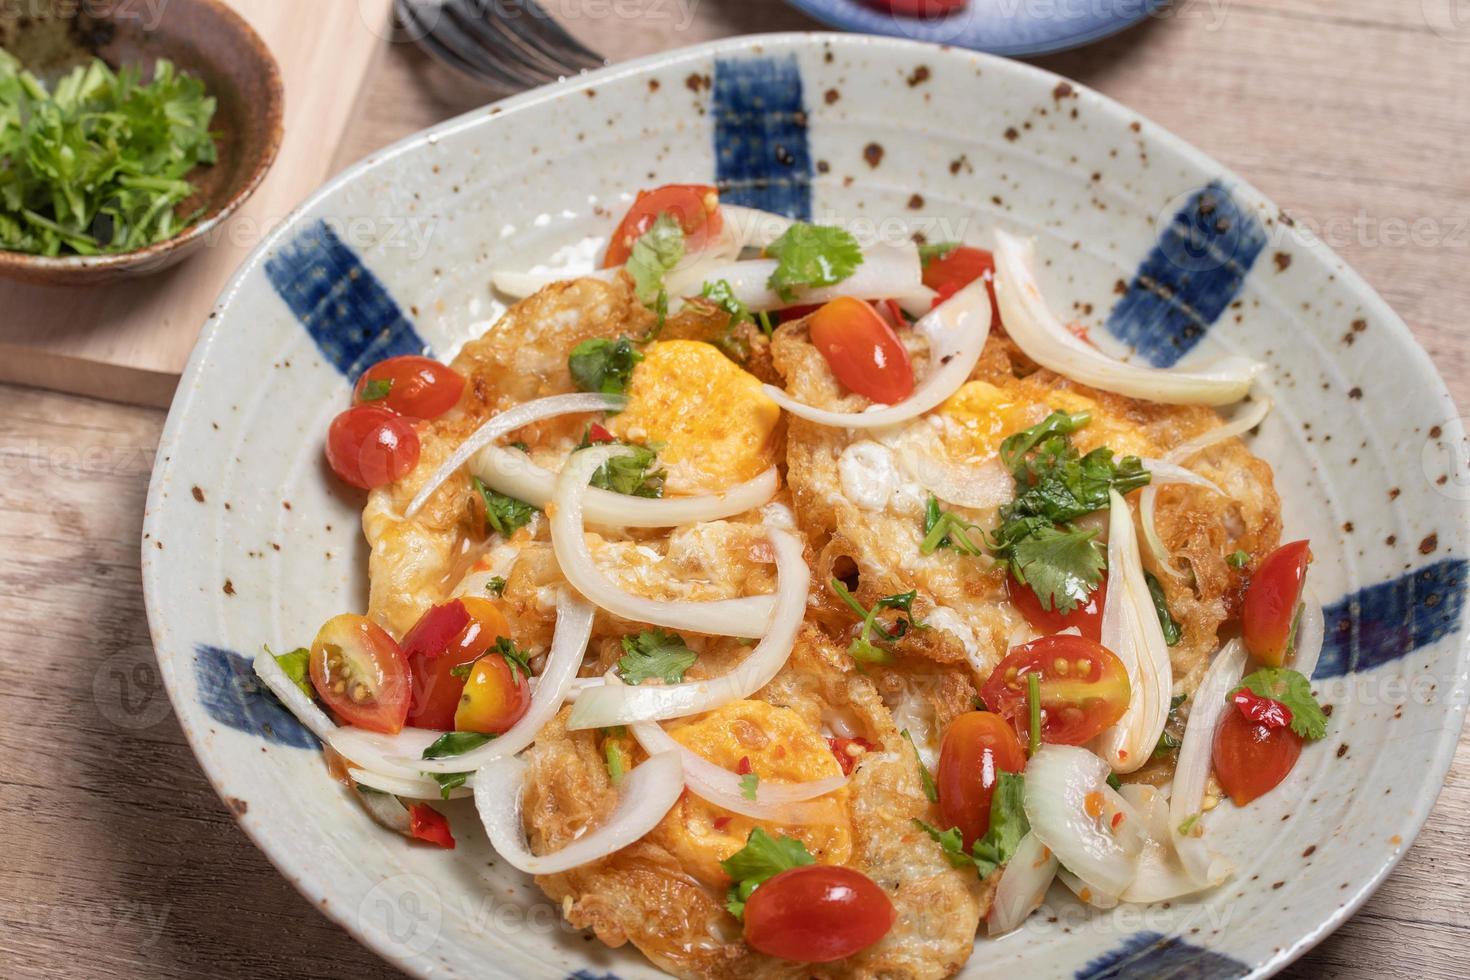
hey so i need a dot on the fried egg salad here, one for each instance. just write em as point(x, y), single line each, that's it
point(793, 607)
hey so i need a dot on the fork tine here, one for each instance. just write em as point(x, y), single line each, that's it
point(450, 48)
point(539, 30)
point(495, 35)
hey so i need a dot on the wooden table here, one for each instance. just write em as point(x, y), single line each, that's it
point(116, 858)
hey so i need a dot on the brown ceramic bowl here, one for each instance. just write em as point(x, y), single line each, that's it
point(202, 37)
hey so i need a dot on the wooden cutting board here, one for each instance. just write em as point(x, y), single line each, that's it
point(128, 342)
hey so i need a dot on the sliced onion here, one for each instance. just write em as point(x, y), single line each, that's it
point(1196, 752)
point(1130, 628)
point(295, 700)
point(1095, 897)
point(1163, 875)
point(413, 789)
point(386, 811)
point(519, 285)
point(568, 645)
point(782, 803)
point(1023, 885)
point(507, 422)
point(956, 331)
point(886, 271)
point(1059, 780)
point(648, 793)
point(1310, 634)
point(1047, 341)
point(513, 474)
point(620, 704)
point(748, 616)
point(755, 228)
point(397, 755)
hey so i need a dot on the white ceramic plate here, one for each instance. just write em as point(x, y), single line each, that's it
point(248, 541)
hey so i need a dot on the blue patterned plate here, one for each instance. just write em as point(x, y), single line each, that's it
point(1143, 239)
point(1016, 28)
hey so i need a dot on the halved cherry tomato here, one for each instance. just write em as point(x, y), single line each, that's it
point(977, 747)
point(1086, 616)
point(360, 673)
point(1265, 711)
point(817, 914)
point(863, 351)
point(1252, 758)
point(446, 637)
point(695, 206)
point(1271, 602)
point(1084, 688)
point(848, 751)
point(494, 697)
point(418, 387)
point(369, 446)
point(427, 824)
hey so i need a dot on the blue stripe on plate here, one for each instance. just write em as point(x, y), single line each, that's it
point(589, 975)
point(1155, 956)
point(344, 307)
point(1384, 622)
point(233, 696)
point(1194, 272)
point(762, 159)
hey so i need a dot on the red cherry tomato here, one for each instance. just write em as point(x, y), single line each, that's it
point(695, 206)
point(360, 673)
point(1271, 602)
point(977, 747)
point(1266, 711)
point(957, 268)
point(427, 824)
point(1084, 688)
point(863, 351)
point(817, 914)
point(925, 9)
point(1251, 759)
point(848, 751)
point(597, 435)
point(495, 697)
point(1086, 616)
point(418, 387)
point(447, 636)
point(369, 446)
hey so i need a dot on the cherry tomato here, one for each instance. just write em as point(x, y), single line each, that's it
point(919, 8)
point(1086, 616)
point(1252, 758)
point(444, 638)
point(695, 206)
point(369, 446)
point(863, 351)
point(1266, 711)
point(360, 673)
point(977, 747)
point(956, 269)
point(817, 914)
point(494, 697)
point(848, 751)
point(597, 435)
point(418, 387)
point(427, 824)
point(1084, 688)
point(1271, 602)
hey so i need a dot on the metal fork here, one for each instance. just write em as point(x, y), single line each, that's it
point(508, 44)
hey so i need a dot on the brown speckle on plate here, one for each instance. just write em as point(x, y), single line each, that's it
point(1429, 544)
point(198, 494)
point(1283, 261)
point(919, 76)
point(873, 153)
point(229, 587)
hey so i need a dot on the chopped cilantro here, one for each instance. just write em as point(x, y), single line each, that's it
point(762, 858)
point(617, 763)
point(946, 529)
point(655, 252)
point(1062, 567)
point(1033, 711)
point(1015, 447)
point(1167, 622)
point(926, 778)
point(448, 781)
point(295, 664)
point(862, 648)
point(1008, 825)
point(496, 585)
point(503, 647)
point(504, 515)
point(812, 255)
point(1187, 824)
point(1114, 781)
point(768, 326)
point(1238, 559)
point(602, 365)
point(1168, 742)
point(455, 743)
point(633, 475)
point(748, 785)
point(1293, 690)
point(722, 294)
point(938, 250)
point(655, 653)
point(376, 389)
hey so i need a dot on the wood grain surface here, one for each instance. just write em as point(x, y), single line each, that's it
point(117, 860)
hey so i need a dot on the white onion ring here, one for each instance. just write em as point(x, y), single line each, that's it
point(1023, 885)
point(513, 474)
point(568, 645)
point(1044, 339)
point(1164, 864)
point(413, 789)
point(395, 755)
point(1130, 628)
point(886, 271)
point(956, 330)
point(620, 704)
point(648, 792)
point(782, 803)
point(1059, 778)
point(302, 707)
point(1095, 897)
point(1311, 632)
point(756, 228)
point(507, 422)
point(748, 616)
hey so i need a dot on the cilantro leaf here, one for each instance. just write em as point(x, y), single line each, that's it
point(655, 653)
point(504, 515)
point(722, 294)
point(505, 648)
point(1238, 559)
point(1293, 690)
point(1015, 447)
point(748, 785)
point(655, 252)
point(812, 255)
point(455, 743)
point(603, 365)
point(930, 252)
point(448, 781)
point(295, 665)
point(633, 475)
point(1008, 824)
point(1062, 567)
point(926, 778)
point(862, 647)
point(946, 529)
point(376, 389)
point(762, 858)
point(496, 585)
point(1167, 622)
